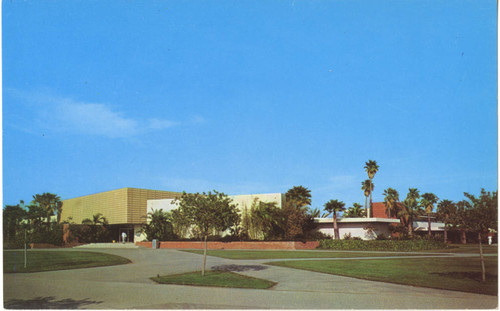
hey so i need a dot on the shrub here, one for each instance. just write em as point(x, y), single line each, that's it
point(382, 245)
point(381, 237)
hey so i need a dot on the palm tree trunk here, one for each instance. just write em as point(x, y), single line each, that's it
point(463, 239)
point(445, 234)
point(483, 271)
point(370, 212)
point(429, 224)
point(366, 207)
point(204, 258)
point(335, 229)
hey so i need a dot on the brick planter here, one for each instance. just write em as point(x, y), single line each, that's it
point(234, 245)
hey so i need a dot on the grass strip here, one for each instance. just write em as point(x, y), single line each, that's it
point(459, 274)
point(468, 249)
point(215, 279)
point(38, 261)
point(250, 254)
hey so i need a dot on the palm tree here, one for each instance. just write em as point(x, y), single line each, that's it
point(335, 206)
point(299, 194)
point(97, 219)
point(50, 203)
point(446, 209)
point(461, 218)
point(97, 225)
point(411, 208)
point(371, 169)
point(367, 187)
point(356, 210)
point(391, 198)
point(427, 202)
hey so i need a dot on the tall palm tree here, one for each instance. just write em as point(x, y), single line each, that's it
point(427, 202)
point(411, 208)
point(371, 169)
point(299, 194)
point(391, 198)
point(335, 206)
point(367, 187)
point(446, 209)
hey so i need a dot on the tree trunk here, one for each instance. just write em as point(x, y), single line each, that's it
point(445, 234)
point(410, 226)
point(429, 224)
point(366, 207)
point(463, 238)
point(483, 271)
point(370, 212)
point(335, 229)
point(204, 258)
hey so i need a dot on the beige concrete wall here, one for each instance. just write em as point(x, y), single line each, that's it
point(112, 204)
point(246, 200)
point(121, 206)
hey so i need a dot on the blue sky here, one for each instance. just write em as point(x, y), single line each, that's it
point(249, 97)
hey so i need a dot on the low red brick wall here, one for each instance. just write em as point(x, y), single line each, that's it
point(234, 245)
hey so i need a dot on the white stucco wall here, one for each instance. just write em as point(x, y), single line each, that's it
point(357, 227)
point(364, 228)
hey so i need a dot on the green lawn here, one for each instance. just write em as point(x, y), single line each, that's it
point(468, 249)
point(461, 274)
point(250, 254)
point(13, 261)
point(215, 278)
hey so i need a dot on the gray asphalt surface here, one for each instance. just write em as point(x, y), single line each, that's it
point(129, 287)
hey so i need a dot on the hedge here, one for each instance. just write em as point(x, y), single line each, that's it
point(385, 245)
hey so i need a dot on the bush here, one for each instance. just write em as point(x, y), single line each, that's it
point(382, 245)
point(54, 236)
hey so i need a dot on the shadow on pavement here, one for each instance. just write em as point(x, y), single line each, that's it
point(239, 268)
point(47, 303)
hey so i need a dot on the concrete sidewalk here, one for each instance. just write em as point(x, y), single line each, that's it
point(128, 286)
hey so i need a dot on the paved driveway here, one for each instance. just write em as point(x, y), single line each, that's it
point(129, 287)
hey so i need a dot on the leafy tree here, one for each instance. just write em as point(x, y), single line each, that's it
point(269, 220)
point(356, 210)
point(207, 213)
point(180, 223)
point(300, 195)
point(427, 203)
point(446, 209)
point(391, 199)
point(159, 226)
point(35, 216)
point(335, 206)
point(13, 216)
point(483, 215)
point(371, 169)
point(367, 188)
point(50, 203)
point(298, 220)
point(411, 209)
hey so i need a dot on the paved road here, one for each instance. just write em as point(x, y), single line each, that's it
point(129, 287)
